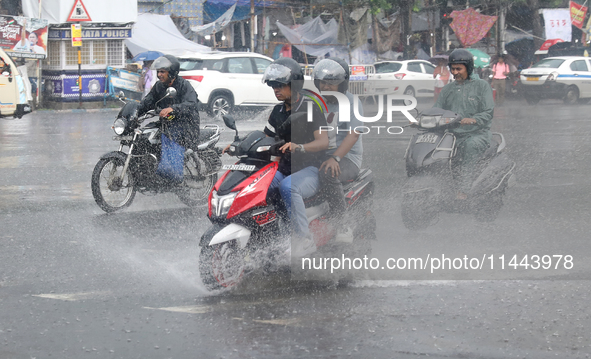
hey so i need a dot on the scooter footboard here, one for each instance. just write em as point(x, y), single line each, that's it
point(499, 170)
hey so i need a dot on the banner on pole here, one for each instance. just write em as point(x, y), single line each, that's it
point(558, 24)
point(577, 14)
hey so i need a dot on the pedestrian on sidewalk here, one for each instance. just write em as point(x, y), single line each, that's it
point(500, 72)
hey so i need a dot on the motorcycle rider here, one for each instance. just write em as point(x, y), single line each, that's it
point(297, 177)
point(345, 151)
point(181, 111)
point(472, 98)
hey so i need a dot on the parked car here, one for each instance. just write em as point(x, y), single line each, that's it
point(563, 77)
point(224, 80)
point(409, 77)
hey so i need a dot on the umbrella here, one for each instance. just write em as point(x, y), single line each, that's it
point(546, 45)
point(509, 59)
point(435, 59)
point(481, 59)
point(147, 56)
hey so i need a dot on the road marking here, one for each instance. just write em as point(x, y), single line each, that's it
point(285, 322)
point(191, 309)
point(72, 297)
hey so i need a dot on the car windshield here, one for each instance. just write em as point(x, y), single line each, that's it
point(549, 64)
point(191, 64)
point(385, 67)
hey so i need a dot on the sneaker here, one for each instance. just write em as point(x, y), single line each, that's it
point(344, 235)
point(302, 247)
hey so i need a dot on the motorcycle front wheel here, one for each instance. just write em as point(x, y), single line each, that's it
point(198, 180)
point(221, 266)
point(110, 189)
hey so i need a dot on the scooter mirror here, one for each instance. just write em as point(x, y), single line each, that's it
point(170, 93)
point(121, 95)
point(230, 122)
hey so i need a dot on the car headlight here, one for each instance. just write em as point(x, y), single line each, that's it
point(220, 205)
point(429, 121)
point(118, 126)
point(553, 76)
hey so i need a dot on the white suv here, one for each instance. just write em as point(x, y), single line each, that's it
point(565, 77)
point(227, 79)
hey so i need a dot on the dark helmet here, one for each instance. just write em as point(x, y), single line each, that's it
point(285, 71)
point(332, 70)
point(464, 57)
point(168, 63)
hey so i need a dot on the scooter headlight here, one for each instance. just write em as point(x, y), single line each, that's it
point(220, 205)
point(429, 121)
point(119, 126)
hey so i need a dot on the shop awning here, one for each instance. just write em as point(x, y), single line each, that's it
point(158, 33)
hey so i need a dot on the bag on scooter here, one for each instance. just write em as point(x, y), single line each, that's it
point(172, 160)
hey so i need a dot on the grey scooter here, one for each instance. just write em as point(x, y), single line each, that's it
point(431, 186)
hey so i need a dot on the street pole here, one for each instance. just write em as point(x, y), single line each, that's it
point(252, 25)
point(80, 73)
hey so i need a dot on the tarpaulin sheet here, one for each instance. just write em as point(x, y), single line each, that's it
point(103, 11)
point(313, 34)
point(469, 26)
point(217, 25)
point(158, 33)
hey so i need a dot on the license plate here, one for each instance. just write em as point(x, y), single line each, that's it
point(427, 138)
point(532, 78)
point(239, 167)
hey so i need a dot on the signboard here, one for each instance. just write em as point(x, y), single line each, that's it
point(558, 24)
point(23, 37)
point(91, 34)
point(79, 12)
point(358, 73)
point(577, 14)
point(76, 35)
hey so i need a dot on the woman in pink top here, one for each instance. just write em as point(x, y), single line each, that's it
point(500, 72)
point(443, 73)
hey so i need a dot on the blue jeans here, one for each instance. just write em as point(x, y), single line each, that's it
point(293, 190)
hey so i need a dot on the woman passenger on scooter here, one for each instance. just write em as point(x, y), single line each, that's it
point(297, 177)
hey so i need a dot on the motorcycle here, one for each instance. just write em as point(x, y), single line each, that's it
point(431, 187)
point(249, 220)
point(118, 175)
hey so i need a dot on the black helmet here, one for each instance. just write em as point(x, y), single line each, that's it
point(332, 70)
point(464, 57)
point(284, 71)
point(168, 63)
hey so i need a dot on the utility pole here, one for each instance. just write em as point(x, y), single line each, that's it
point(252, 26)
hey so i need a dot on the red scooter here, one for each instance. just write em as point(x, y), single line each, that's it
point(249, 220)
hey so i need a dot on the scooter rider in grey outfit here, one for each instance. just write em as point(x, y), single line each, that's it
point(345, 150)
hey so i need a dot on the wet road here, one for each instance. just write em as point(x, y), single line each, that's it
point(76, 283)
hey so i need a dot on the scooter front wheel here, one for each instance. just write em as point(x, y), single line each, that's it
point(221, 265)
point(111, 189)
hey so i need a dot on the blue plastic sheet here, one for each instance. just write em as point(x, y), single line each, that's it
point(172, 160)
